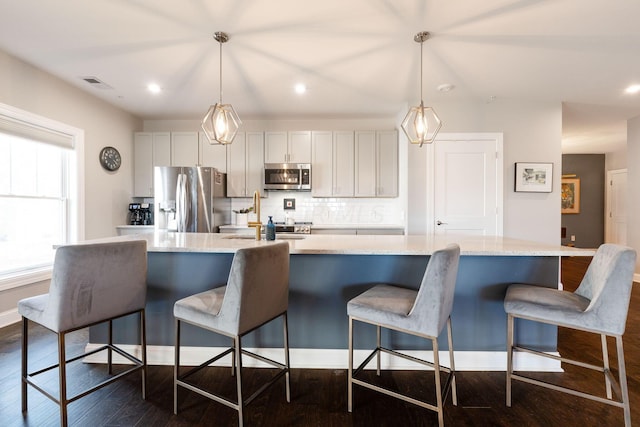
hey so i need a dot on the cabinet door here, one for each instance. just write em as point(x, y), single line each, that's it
point(299, 147)
point(143, 164)
point(322, 160)
point(275, 147)
point(236, 167)
point(343, 164)
point(161, 149)
point(387, 163)
point(213, 155)
point(255, 163)
point(184, 148)
point(365, 164)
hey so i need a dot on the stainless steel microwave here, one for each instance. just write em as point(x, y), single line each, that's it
point(287, 176)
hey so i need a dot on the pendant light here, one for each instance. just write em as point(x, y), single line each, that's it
point(221, 122)
point(421, 124)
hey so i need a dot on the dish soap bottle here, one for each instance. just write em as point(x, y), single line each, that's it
point(271, 230)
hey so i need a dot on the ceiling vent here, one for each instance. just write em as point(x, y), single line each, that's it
point(96, 83)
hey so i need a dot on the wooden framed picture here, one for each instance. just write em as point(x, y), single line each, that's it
point(570, 195)
point(534, 177)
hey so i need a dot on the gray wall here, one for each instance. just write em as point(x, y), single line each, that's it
point(588, 225)
point(633, 179)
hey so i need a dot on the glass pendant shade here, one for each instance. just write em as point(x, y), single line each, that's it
point(221, 124)
point(421, 124)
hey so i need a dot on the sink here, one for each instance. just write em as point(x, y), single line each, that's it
point(278, 236)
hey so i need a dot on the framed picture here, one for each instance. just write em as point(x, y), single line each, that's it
point(534, 177)
point(570, 195)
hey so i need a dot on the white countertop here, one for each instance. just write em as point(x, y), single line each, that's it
point(162, 241)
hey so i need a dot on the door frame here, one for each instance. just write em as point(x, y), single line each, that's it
point(431, 187)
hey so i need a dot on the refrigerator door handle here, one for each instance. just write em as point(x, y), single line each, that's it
point(181, 202)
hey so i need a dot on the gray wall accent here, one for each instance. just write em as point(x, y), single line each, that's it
point(321, 286)
point(633, 180)
point(588, 225)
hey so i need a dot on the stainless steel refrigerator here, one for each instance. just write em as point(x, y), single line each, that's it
point(190, 199)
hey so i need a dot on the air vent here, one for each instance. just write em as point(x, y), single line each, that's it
point(96, 83)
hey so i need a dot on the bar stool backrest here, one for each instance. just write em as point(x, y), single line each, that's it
point(93, 282)
point(607, 284)
point(257, 288)
point(434, 301)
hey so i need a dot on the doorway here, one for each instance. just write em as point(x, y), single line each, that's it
point(616, 205)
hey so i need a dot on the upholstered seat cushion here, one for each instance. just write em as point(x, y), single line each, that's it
point(201, 309)
point(548, 304)
point(386, 305)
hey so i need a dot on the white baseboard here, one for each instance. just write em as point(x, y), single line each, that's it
point(9, 317)
point(335, 358)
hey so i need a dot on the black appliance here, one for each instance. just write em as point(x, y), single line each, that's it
point(135, 214)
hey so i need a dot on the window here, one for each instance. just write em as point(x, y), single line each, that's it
point(39, 194)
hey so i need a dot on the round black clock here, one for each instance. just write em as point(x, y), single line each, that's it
point(110, 158)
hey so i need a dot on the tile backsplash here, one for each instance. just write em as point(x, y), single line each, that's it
point(327, 210)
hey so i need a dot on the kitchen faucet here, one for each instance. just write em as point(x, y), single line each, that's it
point(256, 208)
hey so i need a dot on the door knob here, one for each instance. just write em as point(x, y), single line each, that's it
point(441, 223)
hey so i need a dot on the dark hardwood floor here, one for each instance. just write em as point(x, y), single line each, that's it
point(319, 396)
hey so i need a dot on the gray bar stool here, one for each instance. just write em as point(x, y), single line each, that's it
point(90, 284)
point(256, 293)
point(599, 305)
point(421, 313)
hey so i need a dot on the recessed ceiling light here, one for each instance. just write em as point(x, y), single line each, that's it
point(633, 89)
point(446, 87)
point(300, 88)
point(154, 88)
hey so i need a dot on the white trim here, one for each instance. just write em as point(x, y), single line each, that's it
point(9, 317)
point(336, 358)
point(25, 278)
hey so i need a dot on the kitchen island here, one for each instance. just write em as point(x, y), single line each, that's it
point(329, 270)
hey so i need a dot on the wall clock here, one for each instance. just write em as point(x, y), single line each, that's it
point(110, 158)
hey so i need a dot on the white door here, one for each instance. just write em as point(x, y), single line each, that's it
point(468, 185)
point(616, 215)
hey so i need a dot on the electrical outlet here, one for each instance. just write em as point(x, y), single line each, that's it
point(573, 237)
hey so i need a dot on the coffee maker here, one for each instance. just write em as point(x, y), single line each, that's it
point(145, 214)
point(135, 214)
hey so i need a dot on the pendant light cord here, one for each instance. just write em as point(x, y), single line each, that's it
point(220, 43)
point(421, 73)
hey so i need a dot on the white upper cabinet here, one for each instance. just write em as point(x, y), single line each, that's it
point(149, 149)
point(376, 165)
point(287, 147)
point(322, 164)
point(184, 149)
point(213, 155)
point(387, 163)
point(343, 164)
point(245, 161)
point(333, 164)
point(365, 164)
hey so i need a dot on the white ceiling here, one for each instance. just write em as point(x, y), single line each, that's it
point(357, 57)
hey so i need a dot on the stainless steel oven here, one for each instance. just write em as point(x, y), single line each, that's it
point(287, 176)
point(296, 228)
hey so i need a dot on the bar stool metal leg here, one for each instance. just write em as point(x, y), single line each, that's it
point(176, 368)
point(452, 365)
point(25, 341)
point(509, 356)
point(605, 359)
point(622, 378)
point(350, 373)
point(436, 369)
point(238, 354)
point(286, 356)
point(143, 342)
point(62, 378)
